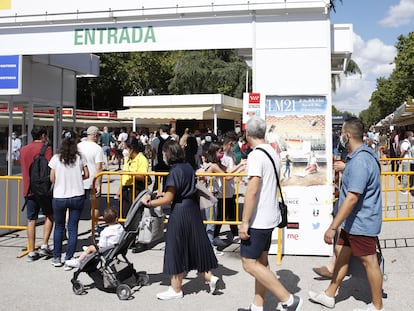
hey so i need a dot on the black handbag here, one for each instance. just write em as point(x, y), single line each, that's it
point(282, 205)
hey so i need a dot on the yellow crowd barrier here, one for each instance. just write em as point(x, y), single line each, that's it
point(11, 206)
point(397, 200)
point(107, 177)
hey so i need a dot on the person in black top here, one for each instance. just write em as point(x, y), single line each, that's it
point(208, 138)
point(187, 246)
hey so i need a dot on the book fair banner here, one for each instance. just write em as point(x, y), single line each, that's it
point(296, 129)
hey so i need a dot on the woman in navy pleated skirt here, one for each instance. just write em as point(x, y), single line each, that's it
point(187, 246)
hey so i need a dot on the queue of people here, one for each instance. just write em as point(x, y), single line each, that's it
point(189, 245)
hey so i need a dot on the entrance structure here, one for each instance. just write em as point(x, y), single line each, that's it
point(291, 45)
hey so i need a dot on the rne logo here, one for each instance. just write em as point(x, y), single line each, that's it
point(293, 236)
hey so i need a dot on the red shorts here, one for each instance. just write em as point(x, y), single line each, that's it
point(360, 245)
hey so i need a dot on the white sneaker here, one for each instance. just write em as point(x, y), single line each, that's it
point(217, 252)
point(67, 268)
point(369, 307)
point(236, 239)
point(170, 294)
point(213, 283)
point(322, 299)
point(73, 263)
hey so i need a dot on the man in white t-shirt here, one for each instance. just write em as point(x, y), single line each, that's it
point(123, 136)
point(16, 145)
point(94, 156)
point(260, 216)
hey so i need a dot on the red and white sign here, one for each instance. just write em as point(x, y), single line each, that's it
point(254, 98)
point(251, 107)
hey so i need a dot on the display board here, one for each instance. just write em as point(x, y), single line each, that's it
point(296, 129)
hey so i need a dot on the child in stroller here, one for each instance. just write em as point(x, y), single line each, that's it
point(109, 268)
point(109, 236)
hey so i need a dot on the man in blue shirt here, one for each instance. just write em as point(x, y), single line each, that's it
point(359, 215)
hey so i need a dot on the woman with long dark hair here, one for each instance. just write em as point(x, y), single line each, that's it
point(213, 165)
point(186, 243)
point(68, 170)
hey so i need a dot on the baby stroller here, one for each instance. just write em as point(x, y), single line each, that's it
point(110, 270)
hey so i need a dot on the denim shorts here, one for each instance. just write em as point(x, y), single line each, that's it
point(34, 205)
point(259, 242)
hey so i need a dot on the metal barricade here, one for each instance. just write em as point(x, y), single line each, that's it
point(10, 214)
point(397, 199)
point(108, 179)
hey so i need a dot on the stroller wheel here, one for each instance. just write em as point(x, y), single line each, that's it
point(123, 291)
point(78, 288)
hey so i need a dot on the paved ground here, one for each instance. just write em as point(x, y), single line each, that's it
point(39, 285)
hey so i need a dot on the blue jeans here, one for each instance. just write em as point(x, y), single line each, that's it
point(75, 206)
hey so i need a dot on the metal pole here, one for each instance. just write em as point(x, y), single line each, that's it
point(9, 149)
point(247, 79)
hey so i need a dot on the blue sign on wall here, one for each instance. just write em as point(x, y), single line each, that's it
point(10, 75)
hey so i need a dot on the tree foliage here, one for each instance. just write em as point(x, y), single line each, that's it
point(352, 68)
point(162, 73)
point(391, 92)
point(332, 4)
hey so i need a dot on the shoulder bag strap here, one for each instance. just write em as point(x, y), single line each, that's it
point(43, 150)
point(274, 167)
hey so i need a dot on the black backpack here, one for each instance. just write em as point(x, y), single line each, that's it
point(161, 166)
point(39, 171)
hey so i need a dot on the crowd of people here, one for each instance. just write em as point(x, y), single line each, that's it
point(189, 244)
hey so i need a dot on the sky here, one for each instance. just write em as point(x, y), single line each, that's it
point(376, 25)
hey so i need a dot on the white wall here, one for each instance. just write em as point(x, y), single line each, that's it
point(293, 59)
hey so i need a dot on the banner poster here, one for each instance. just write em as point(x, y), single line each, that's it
point(252, 107)
point(296, 128)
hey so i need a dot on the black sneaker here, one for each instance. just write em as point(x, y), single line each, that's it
point(295, 306)
point(46, 251)
point(139, 248)
point(33, 256)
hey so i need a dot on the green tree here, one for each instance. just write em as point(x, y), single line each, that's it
point(391, 92)
point(162, 73)
point(332, 5)
point(123, 74)
point(352, 68)
point(210, 71)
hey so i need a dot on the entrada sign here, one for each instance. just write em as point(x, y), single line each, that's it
point(113, 35)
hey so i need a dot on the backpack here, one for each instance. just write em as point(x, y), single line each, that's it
point(39, 171)
point(161, 166)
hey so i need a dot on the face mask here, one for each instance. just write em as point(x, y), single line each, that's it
point(220, 155)
point(125, 153)
point(343, 141)
point(13, 136)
